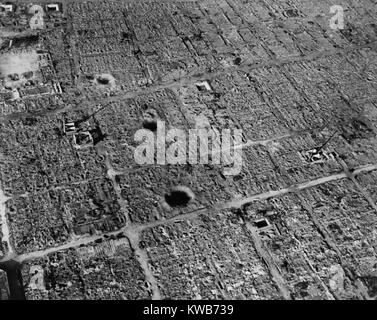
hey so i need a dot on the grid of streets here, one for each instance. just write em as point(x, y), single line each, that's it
point(80, 219)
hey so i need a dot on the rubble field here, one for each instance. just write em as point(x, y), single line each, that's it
point(80, 218)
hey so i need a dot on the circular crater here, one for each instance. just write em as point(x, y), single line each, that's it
point(103, 80)
point(179, 197)
point(150, 118)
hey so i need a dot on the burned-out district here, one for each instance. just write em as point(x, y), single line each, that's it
point(273, 198)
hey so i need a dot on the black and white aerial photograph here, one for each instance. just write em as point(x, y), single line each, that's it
point(188, 150)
